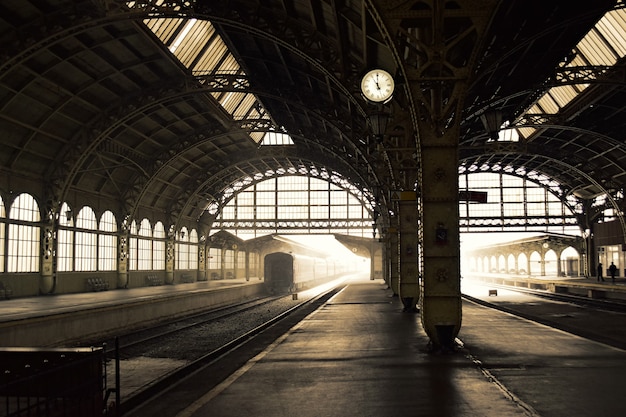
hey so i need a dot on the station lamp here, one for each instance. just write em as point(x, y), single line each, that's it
point(492, 121)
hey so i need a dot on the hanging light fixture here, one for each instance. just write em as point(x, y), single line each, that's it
point(492, 121)
point(378, 120)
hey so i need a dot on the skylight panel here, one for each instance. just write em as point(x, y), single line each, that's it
point(163, 28)
point(181, 37)
point(603, 45)
point(613, 28)
point(276, 138)
point(595, 50)
point(231, 100)
point(548, 105)
point(229, 64)
point(243, 110)
point(196, 44)
point(257, 137)
point(563, 95)
point(214, 53)
point(526, 131)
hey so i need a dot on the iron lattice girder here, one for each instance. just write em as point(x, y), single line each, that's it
point(295, 224)
point(587, 75)
point(519, 220)
point(224, 82)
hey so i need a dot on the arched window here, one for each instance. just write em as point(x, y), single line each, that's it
point(2, 233)
point(144, 256)
point(522, 262)
point(229, 259)
point(107, 242)
point(551, 261)
point(497, 201)
point(86, 245)
point(295, 204)
point(535, 264)
point(253, 263)
point(133, 253)
point(182, 249)
point(193, 249)
point(215, 259)
point(24, 235)
point(158, 247)
point(65, 240)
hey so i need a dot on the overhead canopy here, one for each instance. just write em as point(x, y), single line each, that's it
point(155, 108)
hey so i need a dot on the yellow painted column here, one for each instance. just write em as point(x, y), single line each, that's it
point(441, 292)
point(409, 289)
point(394, 264)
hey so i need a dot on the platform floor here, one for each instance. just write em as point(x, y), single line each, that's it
point(44, 305)
point(360, 355)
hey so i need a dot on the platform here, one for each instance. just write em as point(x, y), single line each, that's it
point(59, 319)
point(360, 355)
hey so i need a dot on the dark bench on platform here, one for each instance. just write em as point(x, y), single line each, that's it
point(97, 284)
point(5, 291)
point(153, 280)
point(186, 278)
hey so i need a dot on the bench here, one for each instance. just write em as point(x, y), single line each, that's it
point(5, 291)
point(186, 278)
point(97, 284)
point(153, 280)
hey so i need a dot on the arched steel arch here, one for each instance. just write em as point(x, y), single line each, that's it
point(557, 162)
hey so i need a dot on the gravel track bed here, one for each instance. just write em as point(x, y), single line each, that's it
point(191, 344)
point(144, 364)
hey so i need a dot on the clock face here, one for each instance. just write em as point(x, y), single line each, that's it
point(377, 86)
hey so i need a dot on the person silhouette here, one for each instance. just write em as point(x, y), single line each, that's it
point(612, 271)
point(600, 272)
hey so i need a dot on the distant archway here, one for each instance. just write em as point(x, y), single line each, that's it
point(570, 262)
point(551, 263)
point(535, 264)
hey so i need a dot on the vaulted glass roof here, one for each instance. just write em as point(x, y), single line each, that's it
point(603, 45)
point(197, 45)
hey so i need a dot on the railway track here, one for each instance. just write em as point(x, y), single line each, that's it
point(574, 314)
point(129, 343)
point(223, 339)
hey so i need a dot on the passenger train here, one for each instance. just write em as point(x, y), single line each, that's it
point(289, 272)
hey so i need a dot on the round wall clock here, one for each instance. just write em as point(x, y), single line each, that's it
point(377, 86)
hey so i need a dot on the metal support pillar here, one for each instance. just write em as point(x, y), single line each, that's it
point(409, 289)
point(394, 257)
point(435, 91)
point(441, 283)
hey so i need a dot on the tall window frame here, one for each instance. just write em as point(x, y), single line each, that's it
point(3, 225)
point(133, 248)
point(214, 260)
point(86, 240)
point(158, 247)
point(24, 235)
point(193, 250)
point(182, 249)
point(144, 246)
point(65, 240)
point(107, 242)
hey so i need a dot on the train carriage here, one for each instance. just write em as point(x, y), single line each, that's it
point(289, 272)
